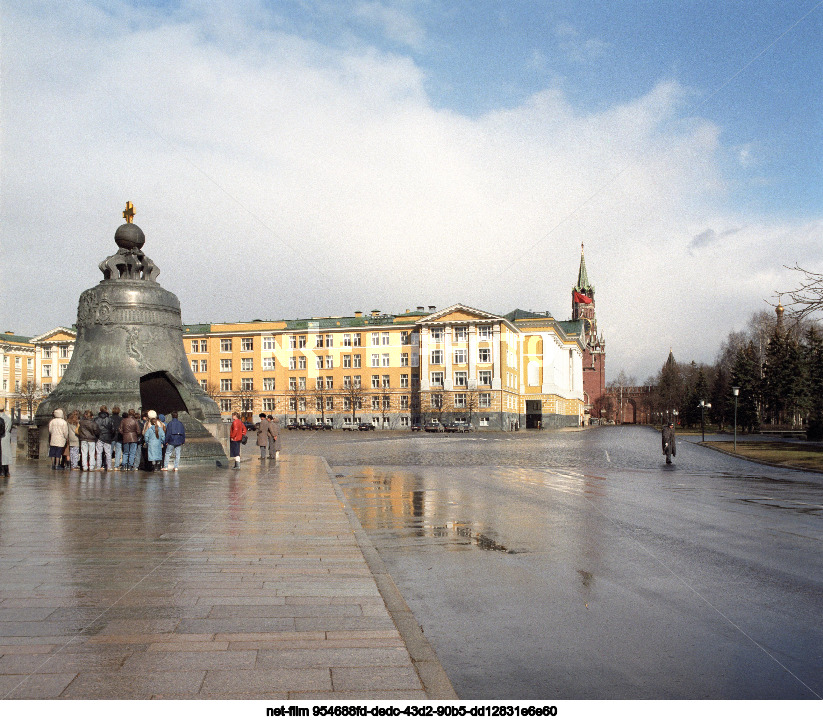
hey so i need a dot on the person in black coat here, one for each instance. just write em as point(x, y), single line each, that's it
point(669, 442)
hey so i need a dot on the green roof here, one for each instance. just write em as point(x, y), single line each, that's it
point(571, 327)
point(518, 314)
point(14, 338)
point(197, 328)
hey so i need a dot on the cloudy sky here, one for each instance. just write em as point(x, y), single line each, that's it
point(300, 158)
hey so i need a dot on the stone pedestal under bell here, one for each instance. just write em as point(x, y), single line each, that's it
point(129, 353)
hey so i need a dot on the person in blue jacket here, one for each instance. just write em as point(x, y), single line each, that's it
point(175, 438)
point(154, 436)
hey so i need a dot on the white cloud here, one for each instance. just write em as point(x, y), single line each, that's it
point(281, 178)
point(398, 24)
point(579, 49)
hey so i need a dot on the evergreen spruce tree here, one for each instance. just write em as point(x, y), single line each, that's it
point(813, 362)
point(746, 375)
point(720, 402)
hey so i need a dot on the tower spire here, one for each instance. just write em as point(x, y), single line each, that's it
point(583, 284)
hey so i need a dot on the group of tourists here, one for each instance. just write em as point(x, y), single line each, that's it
point(268, 437)
point(115, 442)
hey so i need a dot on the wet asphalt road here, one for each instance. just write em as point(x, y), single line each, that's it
point(578, 565)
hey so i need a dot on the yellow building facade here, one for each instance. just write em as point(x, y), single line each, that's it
point(520, 370)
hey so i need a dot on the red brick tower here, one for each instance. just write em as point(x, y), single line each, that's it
point(594, 354)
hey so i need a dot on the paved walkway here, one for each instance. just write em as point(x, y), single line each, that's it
point(208, 583)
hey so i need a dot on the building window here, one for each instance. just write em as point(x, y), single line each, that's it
point(356, 381)
point(437, 378)
point(484, 378)
point(292, 404)
point(404, 360)
point(329, 340)
point(437, 357)
point(459, 400)
point(484, 332)
point(347, 361)
point(375, 339)
point(268, 364)
point(195, 367)
point(318, 362)
point(247, 364)
point(301, 384)
point(301, 341)
point(404, 421)
point(437, 334)
point(246, 344)
point(203, 365)
point(375, 360)
point(375, 403)
point(30, 363)
point(484, 355)
point(225, 405)
point(225, 365)
point(225, 384)
point(484, 420)
point(269, 404)
point(375, 381)
point(292, 342)
point(386, 382)
point(318, 404)
point(18, 362)
point(404, 380)
point(268, 342)
point(329, 362)
point(346, 382)
point(64, 351)
point(330, 403)
point(386, 339)
point(225, 345)
point(356, 340)
point(47, 352)
point(404, 337)
point(268, 384)
point(292, 383)
point(301, 404)
point(247, 405)
point(46, 388)
point(461, 378)
point(301, 363)
point(386, 403)
point(247, 384)
point(204, 384)
point(461, 333)
point(62, 370)
point(347, 340)
point(204, 347)
point(386, 360)
point(357, 360)
point(437, 400)
point(292, 363)
point(404, 403)
point(459, 356)
point(47, 371)
point(318, 341)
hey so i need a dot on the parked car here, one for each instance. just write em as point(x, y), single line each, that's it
point(327, 425)
point(417, 427)
point(348, 425)
point(434, 427)
point(366, 426)
point(463, 426)
point(450, 427)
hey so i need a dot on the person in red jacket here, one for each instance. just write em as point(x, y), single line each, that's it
point(236, 435)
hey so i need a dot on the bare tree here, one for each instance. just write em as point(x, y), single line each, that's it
point(31, 393)
point(296, 395)
point(807, 298)
point(436, 404)
point(321, 394)
point(353, 397)
point(243, 401)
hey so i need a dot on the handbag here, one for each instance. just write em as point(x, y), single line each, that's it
point(245, 439)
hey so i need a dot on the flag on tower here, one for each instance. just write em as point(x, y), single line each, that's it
point(580, 298)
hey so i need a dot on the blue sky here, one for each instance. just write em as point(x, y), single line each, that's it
point(434, 151)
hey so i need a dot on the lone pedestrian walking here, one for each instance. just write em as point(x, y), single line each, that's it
point(5, 443)
point(274, 438)
point(263, 436)
point(669, 442)
point(175, 438)
point(236, 436)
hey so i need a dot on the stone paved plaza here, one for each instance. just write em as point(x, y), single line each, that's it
point(205, 583)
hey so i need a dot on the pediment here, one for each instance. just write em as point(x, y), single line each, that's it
point(56, 335)
point(459, 313)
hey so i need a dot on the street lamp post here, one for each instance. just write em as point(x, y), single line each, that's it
point(735, 392)
point(703, 407)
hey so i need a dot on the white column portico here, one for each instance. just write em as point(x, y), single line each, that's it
point(424, 359)
point(496, 384)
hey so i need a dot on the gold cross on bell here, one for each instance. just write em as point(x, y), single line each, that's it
point(128, 213)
